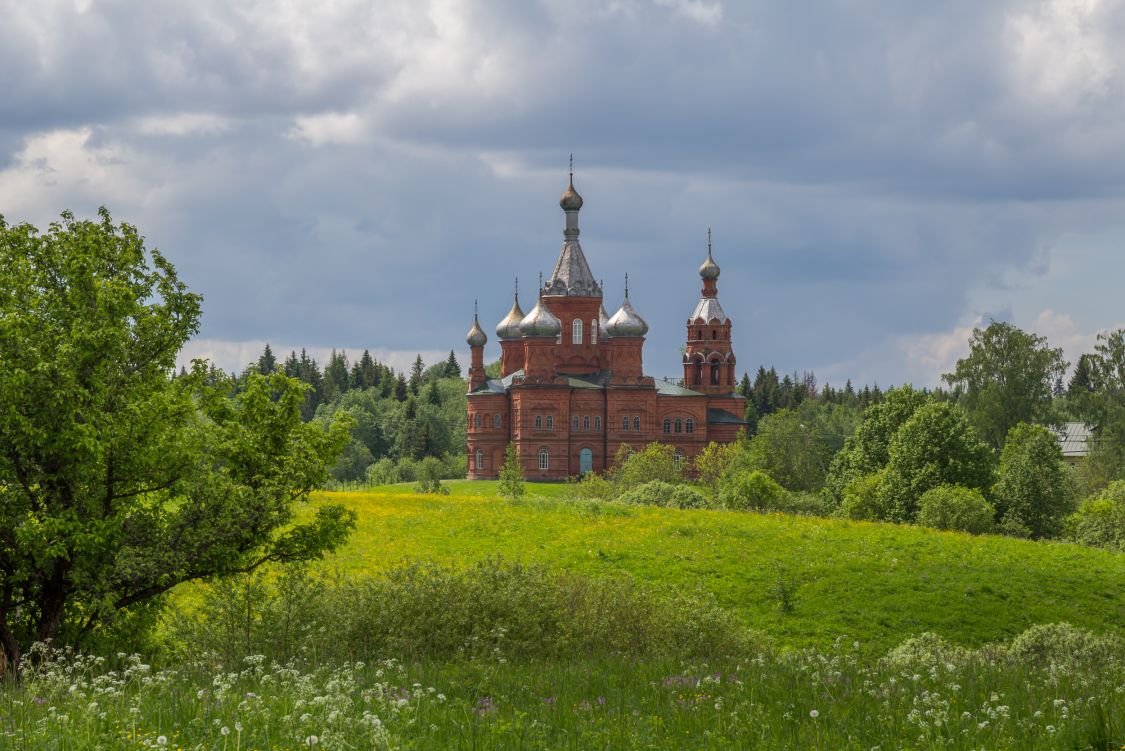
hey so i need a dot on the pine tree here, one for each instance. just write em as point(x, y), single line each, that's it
point(1083, 378)
point(365, 372)
point(511, 473)
point(416, 372)
point(336, 375)
point(402, 389)
point(745, 388)
point(452, 367)
point(292, 365)
point(433, 396)
point(267, 363)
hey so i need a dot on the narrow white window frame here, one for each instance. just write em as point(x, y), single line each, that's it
point(576, 331)
point(544, 460)
point(480, 459)
point(593, 331)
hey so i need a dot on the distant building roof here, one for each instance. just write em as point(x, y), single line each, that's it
point(668, 388)
point(722, 417)
point(1074, 439)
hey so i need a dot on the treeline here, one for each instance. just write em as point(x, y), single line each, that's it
point(414, 421)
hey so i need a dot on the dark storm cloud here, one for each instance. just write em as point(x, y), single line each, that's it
point(355, 174)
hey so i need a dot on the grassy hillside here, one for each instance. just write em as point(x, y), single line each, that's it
point(877, 583)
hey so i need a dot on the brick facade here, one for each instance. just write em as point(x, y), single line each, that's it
point(571, 394)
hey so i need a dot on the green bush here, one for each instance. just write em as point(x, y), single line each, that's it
point(754, 491)
point(1100, 520)
point(956, 508)
point(424, 611)
point(1063, 645)
point(591, 487)
point(655, 462)
point(429, 473)
point(660, 493)
point(865, 499)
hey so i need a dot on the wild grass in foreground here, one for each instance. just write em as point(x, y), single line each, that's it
point(1053, 687)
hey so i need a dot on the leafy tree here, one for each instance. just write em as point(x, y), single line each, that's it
point(353, 462)
point(936, 446)
point(1033, 486)
point(1103, 405)
point(1008, 378)
point(267, 363)
point(511, 473)
point(117, 481)
point(655, 462)
point(955, 508)
point(712, 462)
point(867, 450)
point(660, 493)
point(1100, 519)
point(790, 451)
point(383, 472)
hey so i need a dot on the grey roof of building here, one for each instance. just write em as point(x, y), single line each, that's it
point(667, 388)
point(708, 309)
point(572, 275)
point(722, 417)
point(1074, 439)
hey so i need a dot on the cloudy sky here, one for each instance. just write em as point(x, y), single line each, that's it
point(354, 173)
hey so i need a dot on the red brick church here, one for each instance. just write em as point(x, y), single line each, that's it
point(572, 388)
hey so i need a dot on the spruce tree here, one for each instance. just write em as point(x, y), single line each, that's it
point(416, 372)
point(267, 363)
point(452, 367)
point(402, 389)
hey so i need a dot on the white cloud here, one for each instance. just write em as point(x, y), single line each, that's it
point(183, 124)
point(704, 13)
point(330, 128)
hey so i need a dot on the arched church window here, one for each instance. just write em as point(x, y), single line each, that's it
point(689, 426)
point(636, 423)
point(476, 422)
point(576, 331)
point(550, 422)
point(480, 460)
point(679, 425)
point(593, 331)
point(678, 459)
point(586, 422)
point(544, 459)
point(715, 372)
point(625, 422)
point(496, 420)
point(597, 424)
point(539, 422)
point(667, 425)
point(575, 423)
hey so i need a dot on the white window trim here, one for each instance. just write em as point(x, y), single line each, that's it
point(544, 459)
point(576, 331)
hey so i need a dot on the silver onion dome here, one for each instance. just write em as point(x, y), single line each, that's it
point(476, 336)
point(540, 322)
point(509, 328)
point(709, 269)
point(603, 321)
point(626, 321)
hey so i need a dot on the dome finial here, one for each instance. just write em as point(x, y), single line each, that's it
point(709, 269)
point(626, 285)
point(570, 200)
point(476, 336)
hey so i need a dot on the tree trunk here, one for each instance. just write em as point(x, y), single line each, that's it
point(10, 655)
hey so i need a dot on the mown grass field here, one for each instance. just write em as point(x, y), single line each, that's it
point(877, 583)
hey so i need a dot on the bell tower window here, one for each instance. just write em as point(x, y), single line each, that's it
point(576, 331)
point(594, 331)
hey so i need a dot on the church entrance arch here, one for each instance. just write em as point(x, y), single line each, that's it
point(585, 461)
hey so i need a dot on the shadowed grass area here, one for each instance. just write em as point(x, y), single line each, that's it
point(805, 581)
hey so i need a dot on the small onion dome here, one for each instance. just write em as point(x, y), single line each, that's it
point(476, 336)
point(603, 321)
point(509, 328)
point(570, 200)
point(626, 322)
point(540, 322)
point(709, 269)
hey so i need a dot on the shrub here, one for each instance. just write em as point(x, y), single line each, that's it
point(751, 491)
point(923, 650)
point(806, 504)
point(429, 473)
point(383, 472)
point(511, 473)
point(655, 462)
point(591, 487)
point(659, 493)
point(424, 611)
point(1100, 520)
point(956, 508)
point(1063, 645)
point(864, 498)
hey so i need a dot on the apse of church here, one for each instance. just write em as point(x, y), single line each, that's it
point(572, 389)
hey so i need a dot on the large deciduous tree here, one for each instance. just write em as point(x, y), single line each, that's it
point(119, 481)
point(1034, 489)
point(1008, 378)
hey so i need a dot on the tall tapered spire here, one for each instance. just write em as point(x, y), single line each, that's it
point(571, 275)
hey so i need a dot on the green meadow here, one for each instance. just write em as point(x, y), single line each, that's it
point(873, 582)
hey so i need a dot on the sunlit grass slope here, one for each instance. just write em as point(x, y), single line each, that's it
point(877, 583)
